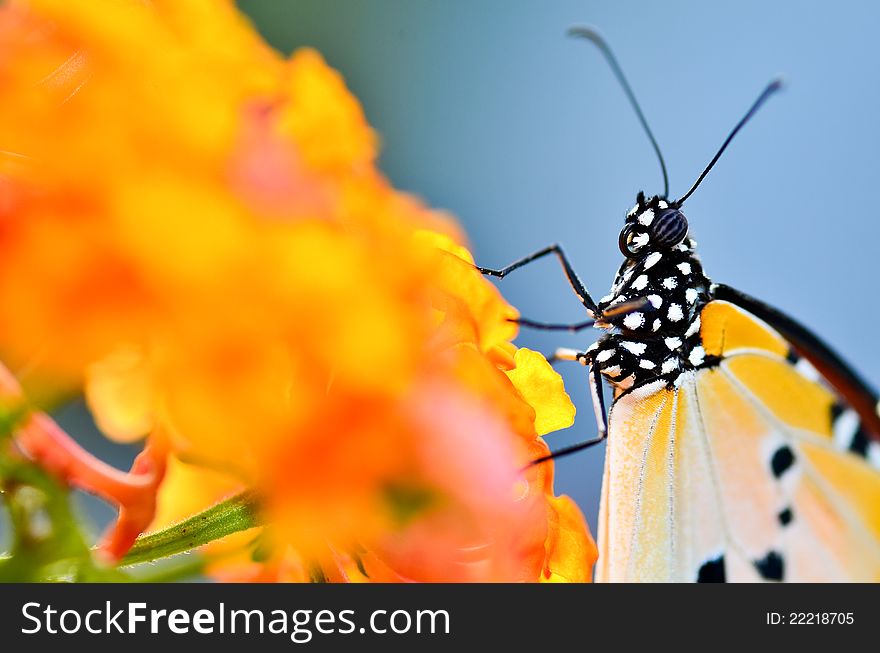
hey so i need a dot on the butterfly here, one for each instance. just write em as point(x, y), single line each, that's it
point(740, 447)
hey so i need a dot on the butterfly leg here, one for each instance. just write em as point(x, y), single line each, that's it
point(566, 354)
point(552, 326)
point(624, 308)
point(598, 402)
point(601, 420)
point(570, 274)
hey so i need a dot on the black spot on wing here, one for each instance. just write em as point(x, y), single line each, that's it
point(859, 443)
point(771, 566)
point(712, 571)
point(785, 516)
point(782, 460)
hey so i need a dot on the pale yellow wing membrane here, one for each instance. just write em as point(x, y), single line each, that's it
point(657, 486)
point(639, 414)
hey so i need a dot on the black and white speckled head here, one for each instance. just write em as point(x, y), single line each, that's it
point(652, 224)
point(660, 265)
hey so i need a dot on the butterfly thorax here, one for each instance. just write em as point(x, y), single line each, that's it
point(661, 340)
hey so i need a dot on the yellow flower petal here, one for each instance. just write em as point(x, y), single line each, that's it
point(120, 395)
point(443, 242)
point(571, 550)
point(326, 121)
point(542, 388)
point(474, 308)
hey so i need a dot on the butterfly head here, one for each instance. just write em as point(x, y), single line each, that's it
point(652, 225)
point(660, 268)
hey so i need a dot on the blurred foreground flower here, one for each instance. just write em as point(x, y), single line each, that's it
point(193, 233)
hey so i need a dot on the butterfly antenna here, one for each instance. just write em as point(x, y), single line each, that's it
point(592, 35)
point(772, 87)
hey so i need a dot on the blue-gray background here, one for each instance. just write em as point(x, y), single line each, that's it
point(486, 109)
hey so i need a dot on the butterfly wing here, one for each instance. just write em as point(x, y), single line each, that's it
point(744, 471)
point(857, 392)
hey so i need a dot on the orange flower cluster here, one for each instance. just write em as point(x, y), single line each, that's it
point(194, 232)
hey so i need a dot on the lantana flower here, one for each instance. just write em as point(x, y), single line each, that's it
point(194, 234)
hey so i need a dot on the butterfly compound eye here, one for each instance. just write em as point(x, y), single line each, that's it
point(668, 229)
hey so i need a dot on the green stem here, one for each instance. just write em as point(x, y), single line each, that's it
point(235, 514)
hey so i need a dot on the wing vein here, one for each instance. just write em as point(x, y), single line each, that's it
point(729, 538)
point(642, 469)
point(670, 478)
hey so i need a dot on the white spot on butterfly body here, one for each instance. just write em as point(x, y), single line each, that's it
point(647, 217)
point(656, 300)
point(657, 324)
point(621, 281)
point(635, 348)
point(652, 259)
point(669, 365)
point(684, 268)
point(634, 320)
point(693, 328)
point(645, 364)
point(670, 283)
point(697, 356)
point(673, 343)
point(604, 355)
point(640, 283)
point(663, 204)
point(613, 370)
point(681, 247)
point(691, 295)
point(674, 313)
